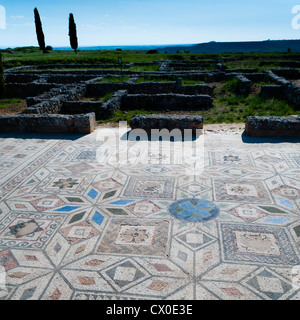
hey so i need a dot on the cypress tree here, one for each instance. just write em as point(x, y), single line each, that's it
point(2, 82)
point(39, 30)
point(73, 33)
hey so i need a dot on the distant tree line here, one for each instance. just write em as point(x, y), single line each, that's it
point(41, 37)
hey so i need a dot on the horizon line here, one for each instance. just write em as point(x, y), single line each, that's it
point(151, 45)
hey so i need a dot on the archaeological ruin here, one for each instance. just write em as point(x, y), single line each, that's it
point(65, 98)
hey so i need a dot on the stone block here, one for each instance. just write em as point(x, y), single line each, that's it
point(52, 123)
point(272, 91)
point(244, 85)
point(166, 102)
point(169, 122)
point(271, 126)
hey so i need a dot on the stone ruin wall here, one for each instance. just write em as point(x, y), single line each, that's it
point(58, 94)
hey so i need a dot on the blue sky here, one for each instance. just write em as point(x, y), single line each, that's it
point(143, 22)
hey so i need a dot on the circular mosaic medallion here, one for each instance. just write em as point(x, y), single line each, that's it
point(193, 210)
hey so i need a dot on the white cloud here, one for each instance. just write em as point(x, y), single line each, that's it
point(27, 24)
point(17, 17)
point(95, 26)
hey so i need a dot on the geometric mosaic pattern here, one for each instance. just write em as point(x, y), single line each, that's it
point(136, 237)
point(193, 210)
point(76, 225)
point(256, 243)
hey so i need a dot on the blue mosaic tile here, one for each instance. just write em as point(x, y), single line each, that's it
point(67, 208)
point(98, 218)
point(278, 220)
point(286, 203)
point(121, 202)
point(193, 210)
point(92, 194)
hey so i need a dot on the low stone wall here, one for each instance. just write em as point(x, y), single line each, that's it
point(239, 70)
point(100, 89)
point(24, 90)
point(164, 66)
point(77, 66)
point(191, 64)
point(77, 107)
point(51, 106)
point(169, 122)
point(287, 73)
point(291, 91)
point(113, 104)
point(256, 77)
point(66, 78)
point(244, 85)
point(273, 126)
point(102, 110)
point(52, 123)
point(11, 77)
point(166, 102)
point(272, 91)
point(52, 101)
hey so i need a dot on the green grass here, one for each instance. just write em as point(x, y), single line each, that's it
point(6, 103)
point(12, 105)
point(121, 115)
point(114, 79)
point(190, 82)
point(236, 109)
point(106, 97)
point(185, 81)
point(105, 67)
point(151, 67)
point(34, 56)
point(228, 105)
point(153, 79)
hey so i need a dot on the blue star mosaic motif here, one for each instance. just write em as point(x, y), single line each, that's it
point(193, 210)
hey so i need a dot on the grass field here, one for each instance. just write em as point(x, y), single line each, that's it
point(229, 107)
point(33, 56)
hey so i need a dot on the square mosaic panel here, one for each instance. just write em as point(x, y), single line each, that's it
point(62, 184)
point(293, 159)
point(230, 158)
point(124, 236)
point(80, 155)
point(28, 230)
point(150, 187)
point(257, 244)
point(241, 191)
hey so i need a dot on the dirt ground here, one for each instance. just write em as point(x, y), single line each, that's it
point(14, 108)
point(296, 82)
point(225, 127)
point(228, 127)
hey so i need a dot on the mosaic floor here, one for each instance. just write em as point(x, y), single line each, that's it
point(75, 224)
